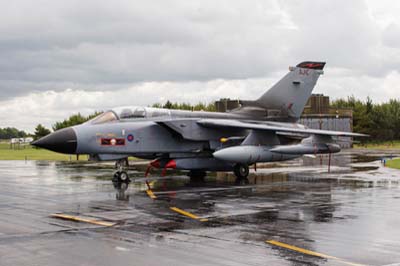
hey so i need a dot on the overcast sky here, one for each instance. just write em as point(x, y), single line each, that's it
point(64, 57)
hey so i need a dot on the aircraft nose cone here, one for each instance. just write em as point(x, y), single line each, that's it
point(63, 140)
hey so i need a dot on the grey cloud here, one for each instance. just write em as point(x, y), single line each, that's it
point(391, 36)
point(98, 45)
point(340, 32)
point(125, 42)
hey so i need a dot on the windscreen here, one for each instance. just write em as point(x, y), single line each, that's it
point(105, 118)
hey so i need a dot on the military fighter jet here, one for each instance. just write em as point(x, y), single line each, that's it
point(262, 130)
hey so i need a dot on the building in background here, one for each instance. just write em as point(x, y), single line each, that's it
point(226, 104)
point(20, 143)
point(317, 114)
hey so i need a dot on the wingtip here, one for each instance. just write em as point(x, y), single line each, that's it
point(360, 135)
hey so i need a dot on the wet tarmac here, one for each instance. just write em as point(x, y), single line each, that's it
point(295, 213)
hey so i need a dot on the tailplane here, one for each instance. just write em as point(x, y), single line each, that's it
point(288, 97)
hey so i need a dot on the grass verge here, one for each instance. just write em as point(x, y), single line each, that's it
point(395, 163)
point(381, 145)
point(30, 153)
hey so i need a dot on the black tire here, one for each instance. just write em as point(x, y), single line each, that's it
point(116, 177)
point(241, 171)
point(123, 177)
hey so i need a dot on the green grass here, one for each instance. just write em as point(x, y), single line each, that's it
point(31, 153)
point(395, 163)
point(381, 145)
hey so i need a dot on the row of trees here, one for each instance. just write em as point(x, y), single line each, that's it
point(40, 131)
point(75, 119)
point(210, 107)
point(12, 132)
point(381, 121)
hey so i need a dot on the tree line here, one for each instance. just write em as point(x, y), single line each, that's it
point(73, 120)
point(380, 120)
point(12, 132)
point(209, 107)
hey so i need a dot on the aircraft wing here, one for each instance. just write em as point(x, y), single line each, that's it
point(235, 124)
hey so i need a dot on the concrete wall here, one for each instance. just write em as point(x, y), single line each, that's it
point(331, 123)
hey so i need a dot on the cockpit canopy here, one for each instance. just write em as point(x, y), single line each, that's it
point(135, 112)
point(128, 113)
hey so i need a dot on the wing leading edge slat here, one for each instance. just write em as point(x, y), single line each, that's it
point(223, 123)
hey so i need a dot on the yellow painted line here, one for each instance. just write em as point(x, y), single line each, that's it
point(301, 250)
point(81, 219)
point(309, 252)
point(151, 194)
point(188, 214)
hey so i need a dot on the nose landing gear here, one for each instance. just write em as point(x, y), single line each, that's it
point(121, 176)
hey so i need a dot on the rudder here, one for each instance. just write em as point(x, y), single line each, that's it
point(291, 93)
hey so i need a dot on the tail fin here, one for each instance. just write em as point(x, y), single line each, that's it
point(291, 93)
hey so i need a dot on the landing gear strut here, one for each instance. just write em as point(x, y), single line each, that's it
point(121, 176)
point(241, 172)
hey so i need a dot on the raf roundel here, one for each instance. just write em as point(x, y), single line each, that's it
point(130, 137)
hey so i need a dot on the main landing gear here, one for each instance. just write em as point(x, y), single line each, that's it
point(121, 175)
point(241, 172)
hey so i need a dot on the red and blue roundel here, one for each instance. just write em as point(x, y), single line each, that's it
point(130, 138)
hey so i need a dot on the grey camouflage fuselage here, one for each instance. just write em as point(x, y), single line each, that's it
point(258, 131)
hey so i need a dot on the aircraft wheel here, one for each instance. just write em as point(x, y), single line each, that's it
point(241, 171)
point(123, 177)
